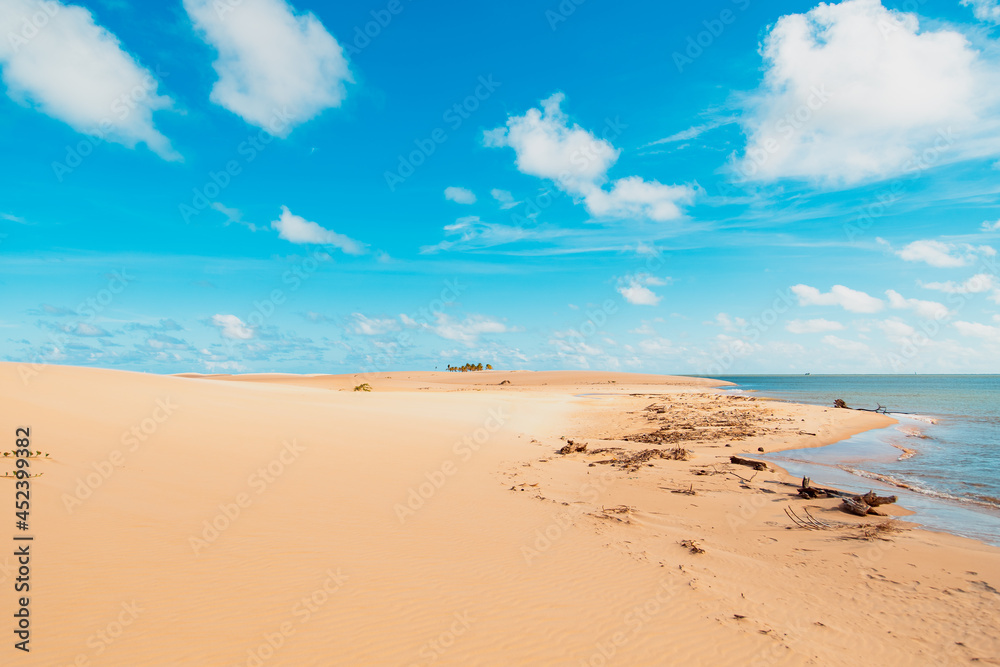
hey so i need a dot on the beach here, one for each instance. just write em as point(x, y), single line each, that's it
point(290, 520)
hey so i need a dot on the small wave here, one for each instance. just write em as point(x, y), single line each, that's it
point(974, 499)
point(907, 452)
point(920, 418)
point(912, 432)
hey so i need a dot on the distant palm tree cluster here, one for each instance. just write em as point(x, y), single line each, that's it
point(469, 367)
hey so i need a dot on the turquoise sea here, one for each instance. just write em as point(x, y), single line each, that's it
point(951, 479)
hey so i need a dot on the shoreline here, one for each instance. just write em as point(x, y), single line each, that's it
point(438, 497)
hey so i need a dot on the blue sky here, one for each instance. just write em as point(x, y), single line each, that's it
point(720, 188)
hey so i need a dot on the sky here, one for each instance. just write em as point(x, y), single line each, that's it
point(716, 188)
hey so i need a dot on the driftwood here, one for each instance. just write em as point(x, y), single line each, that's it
point(756, 465)
point(807, 490)
point(881, 409)
point(572, 447)
point(864, 505)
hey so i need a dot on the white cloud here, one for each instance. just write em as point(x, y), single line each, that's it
point(977, 284)
point(548, 146)
point(931, 310)
point(466, 331)
point(296, 229)
point(635, 289)
point(460, 195)
point(471, 233)
point(844, 345)
point(633, 197)
point(984, 10)
point(944, 255)
point(645, 329)
point(728, 323)
point(232, 327)
point(373, 326)
point(854, 91)
point(977, 330)
point(276, 68)
point(659, 347)
point(991, 226)
point(848, 299)
point(813, 326)
point(505, 198)
point(57, 59)
point(896, 330)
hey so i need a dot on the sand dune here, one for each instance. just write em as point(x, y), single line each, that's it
point(287, 520)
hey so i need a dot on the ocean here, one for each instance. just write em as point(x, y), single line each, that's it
point(942, 459)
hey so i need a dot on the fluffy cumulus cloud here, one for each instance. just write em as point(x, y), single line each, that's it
point(460, 195)
point(845, 297)
point(232, 327)
point(296, 229)
point(635, 289)
point(277, 68)
point(57, 59)
point(854, 91)
point(548, 146)
point(943, 255)
point(978, 330)
point(985, 10)
point(931, 310)
point(813, 326)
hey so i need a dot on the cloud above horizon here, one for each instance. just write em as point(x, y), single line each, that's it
point(845, 297)
point(58, 60)
point(942, 255)
point(635, 289)
point(548, 146)
point(296, 229)
point(277, 68)
point(854, 91)
point(232, 327)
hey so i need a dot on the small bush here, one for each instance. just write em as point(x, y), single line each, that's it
point(363, 387)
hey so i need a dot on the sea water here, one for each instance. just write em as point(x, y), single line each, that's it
point(942, 459)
